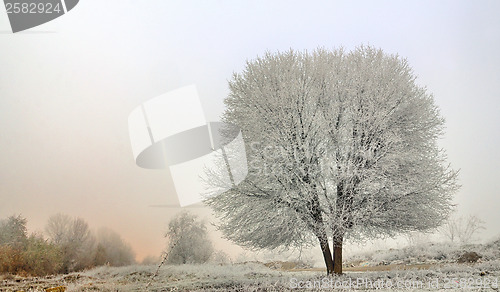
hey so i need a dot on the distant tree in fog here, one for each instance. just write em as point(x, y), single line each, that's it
point(188, 240)
point(75, 239)
point(462, 229)
point(13, 231)
point(112, 250)
point(220, 257)
point(57, 228)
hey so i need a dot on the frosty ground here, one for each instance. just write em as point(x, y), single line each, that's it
point(429, 267)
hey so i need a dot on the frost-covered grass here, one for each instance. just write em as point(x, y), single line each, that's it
point(443, 272)
point(432, 253)
point(257, 277)
point(409, 255)
point(189, 277)
point(183, 277)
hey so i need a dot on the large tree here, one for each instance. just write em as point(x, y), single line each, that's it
point(340, 145)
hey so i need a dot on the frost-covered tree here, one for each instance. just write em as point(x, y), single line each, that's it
point(189, 242)
point(340, 145)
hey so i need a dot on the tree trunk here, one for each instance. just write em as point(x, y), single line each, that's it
point(337, 255)
point(327, 254)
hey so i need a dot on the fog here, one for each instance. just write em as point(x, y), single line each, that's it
point(68, 86)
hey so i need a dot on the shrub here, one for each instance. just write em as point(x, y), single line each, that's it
point(41, 257)
point(11, 260)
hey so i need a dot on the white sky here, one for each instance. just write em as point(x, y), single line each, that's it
point(68, 86)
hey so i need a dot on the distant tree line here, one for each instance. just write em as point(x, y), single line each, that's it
point(70, 246)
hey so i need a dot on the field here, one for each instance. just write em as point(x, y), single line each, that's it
point(424, 268)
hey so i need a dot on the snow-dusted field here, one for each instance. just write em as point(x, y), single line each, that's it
point(430, 267)
point(257, 277)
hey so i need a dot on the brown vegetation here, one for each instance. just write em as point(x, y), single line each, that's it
point(71, 246)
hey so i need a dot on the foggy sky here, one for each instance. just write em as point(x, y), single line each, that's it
point(68, 86)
